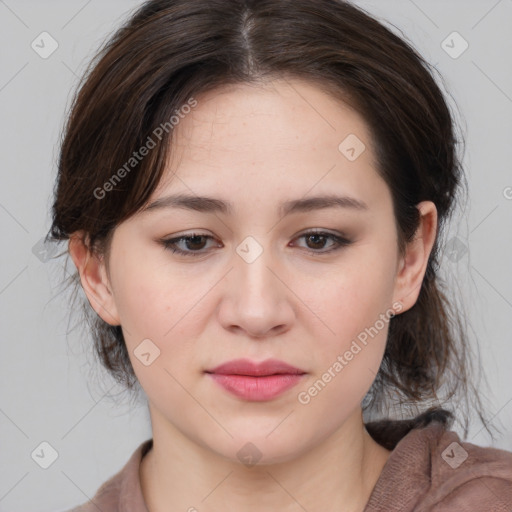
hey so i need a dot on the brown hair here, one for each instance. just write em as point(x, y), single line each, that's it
point(170, 51)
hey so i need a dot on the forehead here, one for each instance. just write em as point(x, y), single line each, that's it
point(279, 114)
point(283, 136)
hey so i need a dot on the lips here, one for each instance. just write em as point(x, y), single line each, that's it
point(256, 381)
point(251, 368)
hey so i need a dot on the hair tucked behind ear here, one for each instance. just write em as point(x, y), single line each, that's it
point(172, 50)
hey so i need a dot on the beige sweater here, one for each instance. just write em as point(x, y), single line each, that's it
point(429, 469)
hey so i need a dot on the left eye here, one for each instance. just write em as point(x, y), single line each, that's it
point(319, 238)
point(194, 244)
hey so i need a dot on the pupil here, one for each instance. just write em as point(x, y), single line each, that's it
point(194, 240)
point(316, 236)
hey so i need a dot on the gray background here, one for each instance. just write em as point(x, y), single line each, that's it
point(50, 389)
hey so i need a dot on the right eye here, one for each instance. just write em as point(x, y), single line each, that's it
point(191, 245)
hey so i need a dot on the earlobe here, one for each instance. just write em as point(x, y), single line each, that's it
point(413, 264)
point(94, 279)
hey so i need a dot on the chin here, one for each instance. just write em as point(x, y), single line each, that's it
point(255, 447)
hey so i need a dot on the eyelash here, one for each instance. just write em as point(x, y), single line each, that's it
point(170, 244)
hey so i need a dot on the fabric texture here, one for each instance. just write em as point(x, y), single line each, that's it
point(429, 469)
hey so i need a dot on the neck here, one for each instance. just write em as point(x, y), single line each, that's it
point(339, 473)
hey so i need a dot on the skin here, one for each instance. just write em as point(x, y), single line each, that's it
point(258, 146)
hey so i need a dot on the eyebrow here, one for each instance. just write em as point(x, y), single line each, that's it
point(212, 205)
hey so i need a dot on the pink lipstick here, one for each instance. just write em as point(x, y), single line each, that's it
point(254, 381)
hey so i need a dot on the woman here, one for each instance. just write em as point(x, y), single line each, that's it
point(253, 194)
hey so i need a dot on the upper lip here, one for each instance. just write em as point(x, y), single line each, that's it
point(253, 368)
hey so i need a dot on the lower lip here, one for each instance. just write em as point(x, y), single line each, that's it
point(257, 389)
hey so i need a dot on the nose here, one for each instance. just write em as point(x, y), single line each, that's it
point(257, 302)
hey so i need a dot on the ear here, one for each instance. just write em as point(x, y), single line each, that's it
point(93, 276)
point(412, 266)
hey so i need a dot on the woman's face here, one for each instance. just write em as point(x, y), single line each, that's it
point(254, 282)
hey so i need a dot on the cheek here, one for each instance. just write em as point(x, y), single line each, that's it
point(139, 301)
point(153, 301)
point(353, 307)
point(346, 362)
point(167, 308)
point(157, 317)
point(352, 298)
